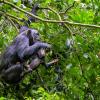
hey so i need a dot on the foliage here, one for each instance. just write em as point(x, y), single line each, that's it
point(77, 74)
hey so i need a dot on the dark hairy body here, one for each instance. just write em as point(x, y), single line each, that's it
point(27, 46)
point(23, 47)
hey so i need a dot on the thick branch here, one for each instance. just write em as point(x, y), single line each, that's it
point(50, 21)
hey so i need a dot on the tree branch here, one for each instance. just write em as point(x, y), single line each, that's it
point(68, 8)
point(12, 23)
point(14, 17)
point(49, 21)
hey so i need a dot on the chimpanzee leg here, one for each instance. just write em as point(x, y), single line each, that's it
point(13, 73)
point(35, 63)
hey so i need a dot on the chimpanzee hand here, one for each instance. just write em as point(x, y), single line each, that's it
point(40, 44)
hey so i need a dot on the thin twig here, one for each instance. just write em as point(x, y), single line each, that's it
point(44, 85)
point(12, 23)
point(68, 8)
point(61, 20)
point(82, 74)
point(8, 17)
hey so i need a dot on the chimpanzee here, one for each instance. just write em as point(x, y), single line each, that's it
point(11, 62)
point(24, 46)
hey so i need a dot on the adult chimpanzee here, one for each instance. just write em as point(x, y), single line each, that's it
point(24, 46)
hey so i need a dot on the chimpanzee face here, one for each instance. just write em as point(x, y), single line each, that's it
point(30, 32)
point(33, 36)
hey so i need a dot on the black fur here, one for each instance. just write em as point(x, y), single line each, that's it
point(18, 52)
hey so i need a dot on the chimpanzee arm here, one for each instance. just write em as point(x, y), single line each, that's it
point(25, 51)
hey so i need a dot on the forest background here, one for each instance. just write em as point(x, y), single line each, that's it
point(72, 27)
